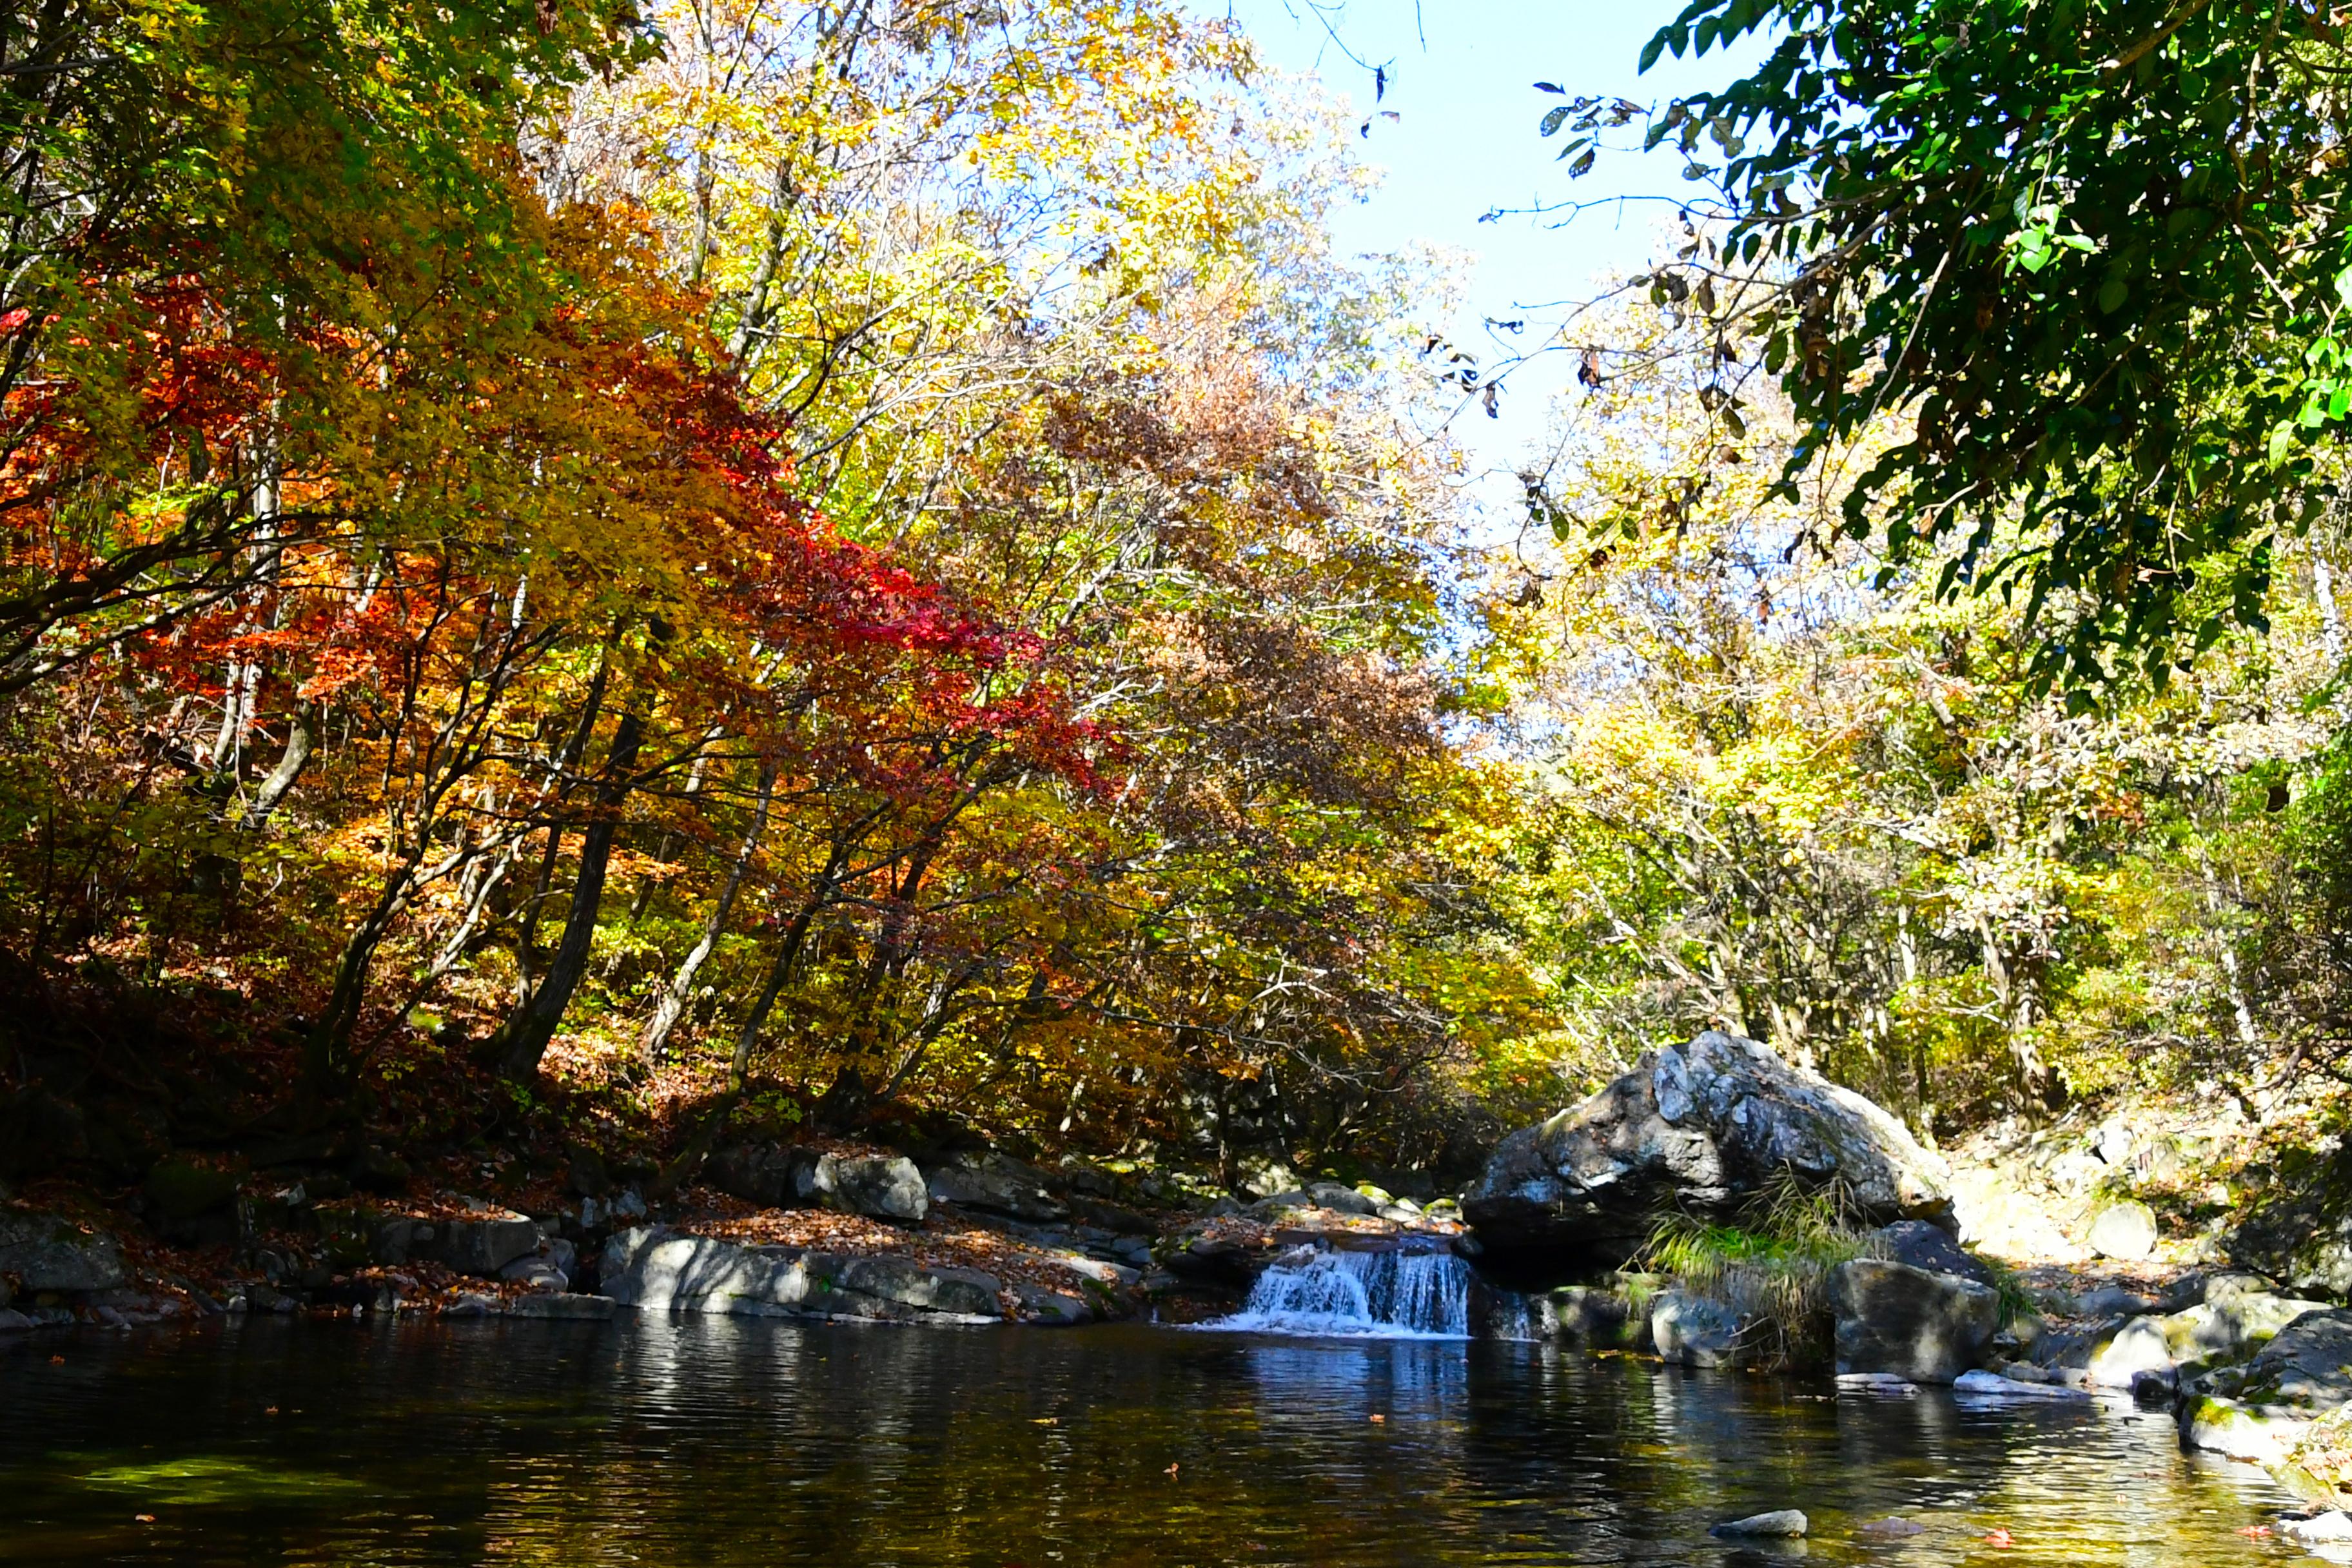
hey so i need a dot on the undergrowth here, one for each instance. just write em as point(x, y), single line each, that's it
point(1771, 1265)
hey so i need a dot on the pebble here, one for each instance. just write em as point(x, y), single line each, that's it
point(2332, 1525)
point(1891, 1528)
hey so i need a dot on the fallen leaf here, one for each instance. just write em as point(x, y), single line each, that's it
point(1379, 1418)
point(2000, 1537)
point(144, 1518)
point(2256, 1530)
point(1172, 1469)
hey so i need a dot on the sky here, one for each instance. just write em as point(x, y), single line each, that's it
point(1460, 77)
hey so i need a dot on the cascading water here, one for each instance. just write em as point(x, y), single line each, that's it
point(1386, 1295)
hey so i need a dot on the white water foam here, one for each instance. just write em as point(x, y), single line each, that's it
point(1384, 1295)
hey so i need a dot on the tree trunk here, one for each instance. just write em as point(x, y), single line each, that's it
point(654, 1044)
point(301, 738)
point(523, 1038)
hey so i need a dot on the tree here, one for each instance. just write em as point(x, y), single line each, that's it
point(2091, 253)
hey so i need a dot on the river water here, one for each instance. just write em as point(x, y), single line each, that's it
point(712, 1442)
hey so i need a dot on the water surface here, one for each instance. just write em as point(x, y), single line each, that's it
point(718, 1442)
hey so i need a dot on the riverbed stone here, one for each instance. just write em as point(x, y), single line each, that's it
point(1786, 1524)
point(1691, 1330)
point(1698, 1130)
point(1612, 1314)
point(14, 1323)
point(1982, 1385)
point(50, 1252)
point(1918, 1325)
point(1054, 1308)
point(2125, 1231)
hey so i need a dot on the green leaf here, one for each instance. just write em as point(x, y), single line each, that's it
point(1553, 120)
point(1651, 50)
point(2112, 294)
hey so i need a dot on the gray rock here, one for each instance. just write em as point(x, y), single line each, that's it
point(1928, 1246)
point(2227, 1327)
point(627, 1204)
point(2123, 1231)
point(1604, 1316)
point(1785, 1523)
point(46, 1252)
point(483, 1247)
point(1893, 1318)
point(2112, 1300)
point(775, 1175)
point(1879, 1383)
point(2331, 1526)
point(1695, 1131)
point(880, 1187)
point(1340, 1199)
point(181, 1190)
point(655, 1267)
point(535, 1272)
point(1982, 1385)
point(993, 1182)
point(1054, 1309)
point(13, 1323)
point(1693, 1330)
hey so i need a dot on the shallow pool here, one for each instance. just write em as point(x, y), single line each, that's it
point(715, 1442)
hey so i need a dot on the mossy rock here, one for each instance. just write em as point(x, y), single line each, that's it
point(181, 1189)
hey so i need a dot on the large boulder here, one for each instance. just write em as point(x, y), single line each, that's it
point(2257, 1411)
point(2225, 1327)
point(880, 1187)
point(993, 1182)
point(1695, 1131)
point(1914, 1324)
point(46, 1252)
point(483, 1247)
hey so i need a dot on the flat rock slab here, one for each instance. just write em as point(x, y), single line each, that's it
point(1781, 1523)
point(652, 1267)
point(1992, 1385)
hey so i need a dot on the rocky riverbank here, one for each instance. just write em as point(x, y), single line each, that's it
point(2054, 1264)
point(835, 1230)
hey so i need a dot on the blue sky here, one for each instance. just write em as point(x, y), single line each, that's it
point(1460, 81)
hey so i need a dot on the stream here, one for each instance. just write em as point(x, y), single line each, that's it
point(709, 1442)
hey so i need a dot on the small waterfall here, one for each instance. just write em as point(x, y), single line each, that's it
point(1387, 1295)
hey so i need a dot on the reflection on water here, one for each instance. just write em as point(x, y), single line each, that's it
point(718, 1442)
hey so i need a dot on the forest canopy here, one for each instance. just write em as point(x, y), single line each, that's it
point(797, 562)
